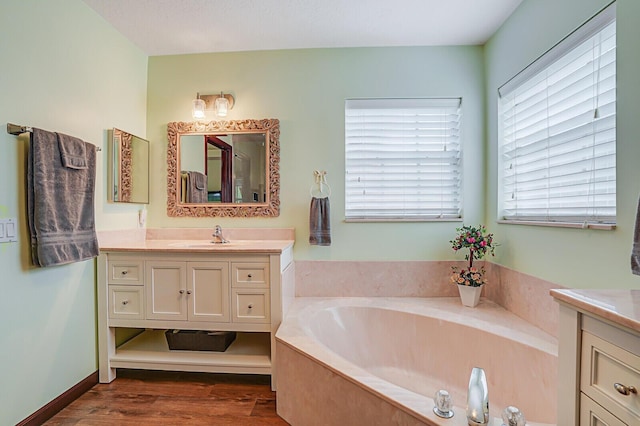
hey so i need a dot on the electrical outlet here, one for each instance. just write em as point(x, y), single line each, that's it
point(142, 218)
point(8, 230)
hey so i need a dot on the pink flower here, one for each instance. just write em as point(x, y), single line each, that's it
point(471, 240)
point(483, 243)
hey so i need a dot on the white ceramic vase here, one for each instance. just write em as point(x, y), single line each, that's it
point(470, 296)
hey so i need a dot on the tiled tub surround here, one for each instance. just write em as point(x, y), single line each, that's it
point(523, 295)
point(369, 361)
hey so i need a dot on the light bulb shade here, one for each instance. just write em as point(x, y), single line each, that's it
point(197, 110)
point(222, 106)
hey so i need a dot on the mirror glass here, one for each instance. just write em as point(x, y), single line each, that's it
point(225, 168)
point(128, 169)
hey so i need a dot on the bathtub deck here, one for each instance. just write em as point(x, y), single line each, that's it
point(372, 399)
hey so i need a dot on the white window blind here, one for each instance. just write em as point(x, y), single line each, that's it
point(558, 131)
point(402, 159)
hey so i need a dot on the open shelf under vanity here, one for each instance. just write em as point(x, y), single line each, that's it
point(250, 353)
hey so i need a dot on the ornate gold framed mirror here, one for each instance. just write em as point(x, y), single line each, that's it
point(223, 168)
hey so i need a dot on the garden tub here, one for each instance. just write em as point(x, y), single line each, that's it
point(379, 361)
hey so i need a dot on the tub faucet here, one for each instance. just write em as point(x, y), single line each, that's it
point(217, 236)
point(478, 398)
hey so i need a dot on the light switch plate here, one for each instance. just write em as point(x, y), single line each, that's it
point(8, 230)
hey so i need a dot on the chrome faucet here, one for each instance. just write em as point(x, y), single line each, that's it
point(478, 398)
point(217, 236)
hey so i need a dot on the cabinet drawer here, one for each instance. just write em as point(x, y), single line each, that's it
point(604, 365)
point(250, 305)
point(591, 414)
point(253, 275)
point(125, 302)
point(126, 272)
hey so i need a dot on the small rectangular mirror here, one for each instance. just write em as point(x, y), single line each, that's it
point(128, 168)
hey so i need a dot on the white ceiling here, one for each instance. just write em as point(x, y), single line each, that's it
point(166, 27)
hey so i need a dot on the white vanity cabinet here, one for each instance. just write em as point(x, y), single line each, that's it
point(158, 290)
point(599, 361)
point(187, 291)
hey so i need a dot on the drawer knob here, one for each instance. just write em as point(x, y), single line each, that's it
point(124, 272)
point(250, 306)
point(124, 302)
point(248, 275)
point(625, 390)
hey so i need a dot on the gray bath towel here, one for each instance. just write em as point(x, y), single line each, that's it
point(319, 222)
point(197, 188)
point(60, 201)
point(72, 152)
point(635, 251)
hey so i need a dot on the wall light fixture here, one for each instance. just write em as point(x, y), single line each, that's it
point(221, 104)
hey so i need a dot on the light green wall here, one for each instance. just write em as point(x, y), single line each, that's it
point(306, 90)
point(63, 69)
point(570, 257)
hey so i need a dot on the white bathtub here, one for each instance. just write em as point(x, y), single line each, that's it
point(379, 361)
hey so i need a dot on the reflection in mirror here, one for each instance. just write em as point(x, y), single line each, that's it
point(128, 168)
point(232, 169)
point(225, 168)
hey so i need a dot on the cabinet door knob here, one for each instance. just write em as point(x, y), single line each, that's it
point(248, 275)
point(124, 302)
point(250, 306)
point(624, 390)
point(181, 291)
point(188, 291)
point(124, 272)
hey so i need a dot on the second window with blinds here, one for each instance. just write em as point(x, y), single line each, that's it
point(402, 159)
point(558, 133)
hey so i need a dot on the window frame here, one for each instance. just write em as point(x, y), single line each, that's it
point(433, 103)
point(562, 49)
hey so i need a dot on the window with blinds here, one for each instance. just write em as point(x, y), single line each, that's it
point(558, 131)
point(402, 159)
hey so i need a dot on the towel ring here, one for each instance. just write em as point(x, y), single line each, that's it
point(320, 189)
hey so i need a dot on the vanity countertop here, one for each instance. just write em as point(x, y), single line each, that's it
point(618, 306)
point(199, 246)
point(197, 240)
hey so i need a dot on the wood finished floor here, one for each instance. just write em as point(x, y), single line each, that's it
point(172, 398)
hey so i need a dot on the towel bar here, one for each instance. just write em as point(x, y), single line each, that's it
point(14, 129)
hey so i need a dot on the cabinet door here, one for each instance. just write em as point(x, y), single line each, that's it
point(166, 290)
point(255, 275)
point(124, 271)
point(125, 302)
point(606, 366)
point(592, 414)
point(251, 305)
point(208, 291)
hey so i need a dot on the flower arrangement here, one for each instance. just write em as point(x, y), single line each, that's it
point(479, 243)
